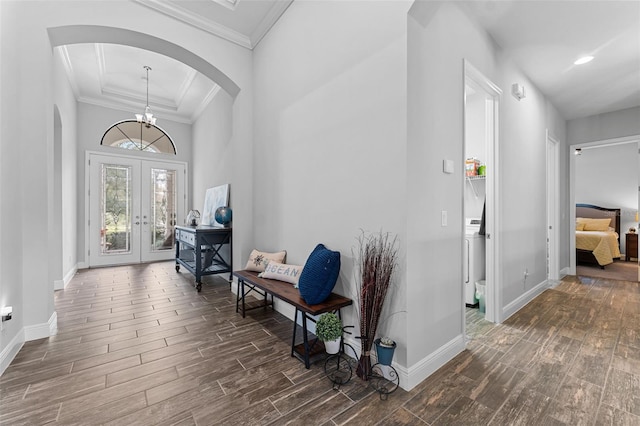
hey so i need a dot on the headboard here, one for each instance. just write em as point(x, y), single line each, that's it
point(597, 212)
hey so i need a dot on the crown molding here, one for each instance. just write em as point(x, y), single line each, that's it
point(133, 109)
point(186, 16)
point(275, 12)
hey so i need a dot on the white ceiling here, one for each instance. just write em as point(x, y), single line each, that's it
point(545, 37)
point(542, 37)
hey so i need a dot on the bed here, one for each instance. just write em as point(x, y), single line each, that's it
point(597, 235)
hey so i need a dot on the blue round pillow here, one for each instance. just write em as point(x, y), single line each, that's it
point(319, 275)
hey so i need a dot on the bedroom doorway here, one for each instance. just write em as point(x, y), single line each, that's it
point(605, 173)
point(480, 206)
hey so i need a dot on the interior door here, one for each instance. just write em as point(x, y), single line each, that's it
point(133, 207)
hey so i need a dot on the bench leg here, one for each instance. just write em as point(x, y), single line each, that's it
point(240, 296)
point(305, 339)
point(295, 328)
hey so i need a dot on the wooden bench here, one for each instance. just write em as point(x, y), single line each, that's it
point(249, 281)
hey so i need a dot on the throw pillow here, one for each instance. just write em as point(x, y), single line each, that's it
point(596, 224)
point(282, 272)
point(319, 275)
point(258, 259)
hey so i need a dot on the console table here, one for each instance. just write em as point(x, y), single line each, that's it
point(204, 250)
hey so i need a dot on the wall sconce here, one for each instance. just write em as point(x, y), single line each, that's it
point(6, 313)
point(517, 90)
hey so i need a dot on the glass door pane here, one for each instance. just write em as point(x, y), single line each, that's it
point(163, 190)
point(114, 210)
point(115, 206)
point(163, 209)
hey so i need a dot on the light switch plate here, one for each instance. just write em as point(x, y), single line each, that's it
point(447, 166)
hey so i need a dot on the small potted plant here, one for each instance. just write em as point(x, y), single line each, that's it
point(384, 349)
point(329, 330)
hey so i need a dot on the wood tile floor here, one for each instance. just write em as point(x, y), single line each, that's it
point(137, 345)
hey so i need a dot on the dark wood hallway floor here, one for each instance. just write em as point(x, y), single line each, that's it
point(137, 345)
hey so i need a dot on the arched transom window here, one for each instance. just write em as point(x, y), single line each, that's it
point(130, 134)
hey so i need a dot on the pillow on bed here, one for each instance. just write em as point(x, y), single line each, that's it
point(596, 224)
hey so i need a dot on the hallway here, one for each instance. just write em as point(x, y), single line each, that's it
point(138, 345)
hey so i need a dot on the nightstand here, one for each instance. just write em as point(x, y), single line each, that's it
point(631, 246)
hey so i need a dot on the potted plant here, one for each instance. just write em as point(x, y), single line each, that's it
point(329, 330)
point(384, 349)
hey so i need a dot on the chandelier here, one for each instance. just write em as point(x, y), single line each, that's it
point(147, 117)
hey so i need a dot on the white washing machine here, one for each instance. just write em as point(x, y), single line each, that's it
point(473, 254)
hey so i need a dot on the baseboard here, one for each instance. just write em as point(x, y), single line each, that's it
point(412, 376)
point(82, 265)
point(564, 272)
point(10, 351)
point(41, 331)
point(62, 284)
point(525, 298)
point(53, 324)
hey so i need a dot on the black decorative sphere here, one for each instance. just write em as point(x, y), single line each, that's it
point(223, 215)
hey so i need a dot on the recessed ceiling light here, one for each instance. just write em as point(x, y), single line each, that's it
point(583, 60)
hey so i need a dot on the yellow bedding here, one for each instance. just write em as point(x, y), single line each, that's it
point(603, 245)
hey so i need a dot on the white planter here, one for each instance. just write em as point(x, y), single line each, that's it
point(332, 346)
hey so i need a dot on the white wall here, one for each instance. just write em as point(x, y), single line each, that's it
point(625, 122)
point(11, 337)
point(608, 177)
point(435, 86)
point(330, 136)
point(213, 149)
point(67, 106)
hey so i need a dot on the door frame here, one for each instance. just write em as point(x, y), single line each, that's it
point(553, 203)
point(138, 157)
point(493, 297)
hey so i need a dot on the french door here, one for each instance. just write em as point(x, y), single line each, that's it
point(134, 206)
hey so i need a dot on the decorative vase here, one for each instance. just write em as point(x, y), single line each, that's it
point(385, 353)
point(332, 346)
point(223, 215)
